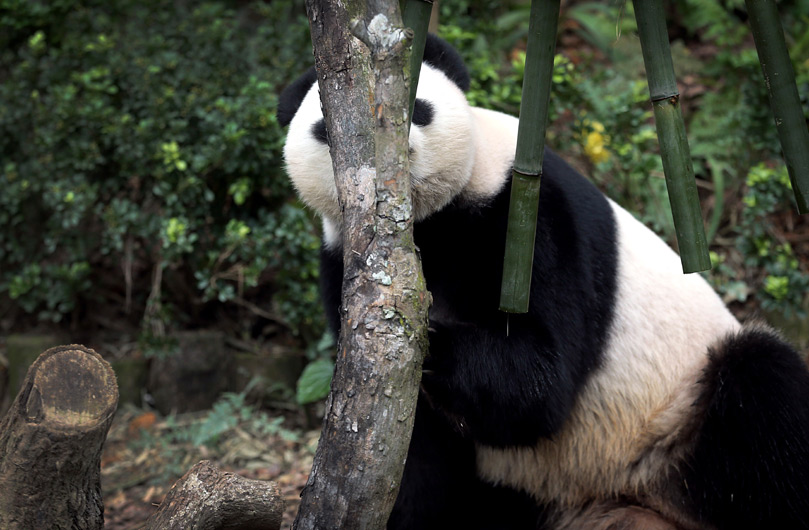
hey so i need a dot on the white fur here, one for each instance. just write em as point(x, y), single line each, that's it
point(440, 165)
point(495, 145)
point(332, 236)
point(635, 408)
point(308, 161)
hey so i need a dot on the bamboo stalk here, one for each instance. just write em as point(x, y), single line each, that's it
point(674, 150)
point(525, 181)
point(784, 100)
point(416, 16)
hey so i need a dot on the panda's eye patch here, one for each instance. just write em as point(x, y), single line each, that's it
point(319, 131)
point(422, 113)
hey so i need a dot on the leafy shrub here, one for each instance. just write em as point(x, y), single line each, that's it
point(141, 156)
point(601, 119)
point(140, 167)
point(782, 283)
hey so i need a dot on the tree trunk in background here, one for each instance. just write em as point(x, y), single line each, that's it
point(206, 498)
point(51, 441)
point(369, 414)
point(433, 28)
point(193, 375)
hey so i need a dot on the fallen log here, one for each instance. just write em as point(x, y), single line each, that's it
point(206, 498)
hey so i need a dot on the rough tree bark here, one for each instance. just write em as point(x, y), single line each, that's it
point(51, 441)
point(206, 498)
point(369, 413)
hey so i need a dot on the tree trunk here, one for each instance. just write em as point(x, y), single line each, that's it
point(51, 440)
point(206, 498)
point(369, 414)
point(434, 17)
point(193, 375)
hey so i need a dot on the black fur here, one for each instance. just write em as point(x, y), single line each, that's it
point(750, 466)
point(509, 379)
point(441, 490)
point(502, 381)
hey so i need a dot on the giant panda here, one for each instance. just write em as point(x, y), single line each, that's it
point(628, 397)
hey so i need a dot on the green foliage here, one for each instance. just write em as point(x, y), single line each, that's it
point(601, 116)
point(598, 23)
point(724, 279)
point(315, 381)
point(140, 137)
point(144, 134)
point(230, 411)
point(784, 284)
point(772, 271)
point(612, 127)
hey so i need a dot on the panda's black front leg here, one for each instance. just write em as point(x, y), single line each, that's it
point(499, 387)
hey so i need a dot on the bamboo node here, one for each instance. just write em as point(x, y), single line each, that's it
point(522, 173)
point(673, 97)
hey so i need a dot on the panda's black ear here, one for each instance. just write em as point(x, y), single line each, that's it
point(439, 54)
point(291, 97)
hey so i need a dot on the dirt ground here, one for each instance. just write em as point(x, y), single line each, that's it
point(146, 453)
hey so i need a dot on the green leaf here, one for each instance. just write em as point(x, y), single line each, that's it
point(315, 381)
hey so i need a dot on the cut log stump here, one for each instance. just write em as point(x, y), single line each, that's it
point(206, 498)
point(51, 440)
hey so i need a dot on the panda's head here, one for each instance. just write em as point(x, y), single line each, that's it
point(442, 142)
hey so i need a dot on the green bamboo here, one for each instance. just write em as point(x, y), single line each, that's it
point(674, 150)
point(416, 16)
point(525, 182)
point(784, 100)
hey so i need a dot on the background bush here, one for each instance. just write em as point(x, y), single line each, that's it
point(141, 180)
point(141, 168)
point(602, 121)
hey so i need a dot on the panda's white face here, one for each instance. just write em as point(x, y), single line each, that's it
point(442, 149)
